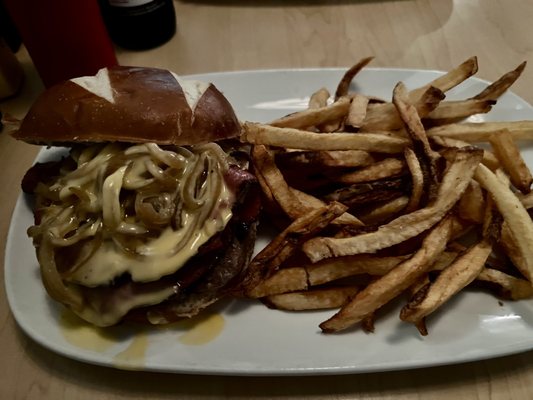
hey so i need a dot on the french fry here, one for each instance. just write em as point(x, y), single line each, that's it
point(413, 125)
point(489, 159)
point(454, 182)
point(357, 112)
point(457, 110)
point(384, 211)
point(289, 203)
point(511, 249)
point(447, 257)
point(283, 281)
point(332, 269)
point(450, 281)
point(392, 284)
point(472, 203)
point(509, 286)
point(527, 200)
point(344, 84)
point(499, 87)
point(319, 99)
point(324, 159)
point(298, 139)
point(385, 117)
point(267, 262)
point(313, 202)
point(481, 131)
point(368, 323)
point(515, 215)
point(387, 168)
point(511, 160)
point(314, 299)
point(358, 194)
point(417, 180)
point(448, 80)
point(314, 116)
point(335, 268)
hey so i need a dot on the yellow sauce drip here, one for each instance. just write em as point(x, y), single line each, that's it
point(202, 329)
point(134, 355)
point(80, 334)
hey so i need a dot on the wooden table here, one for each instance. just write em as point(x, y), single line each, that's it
point(234, 35)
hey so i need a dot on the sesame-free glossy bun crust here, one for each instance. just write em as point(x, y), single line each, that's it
point(149, 106)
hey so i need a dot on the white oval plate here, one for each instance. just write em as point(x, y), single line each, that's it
point(258, 341)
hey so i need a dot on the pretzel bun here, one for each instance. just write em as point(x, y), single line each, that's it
point(130, 104)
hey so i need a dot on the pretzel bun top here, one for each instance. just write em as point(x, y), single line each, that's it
point(129, 104)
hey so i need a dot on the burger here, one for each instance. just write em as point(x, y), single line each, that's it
point(151, 214)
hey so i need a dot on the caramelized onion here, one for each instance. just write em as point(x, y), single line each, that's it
point(52, 281)
point(155, 210)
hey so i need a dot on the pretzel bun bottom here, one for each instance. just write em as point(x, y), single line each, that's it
point(130, 104)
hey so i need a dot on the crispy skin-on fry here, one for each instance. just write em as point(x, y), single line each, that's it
point(417, 180)
point(509, 286)
point(383, 290)
point(347, 192)
point(283, 281)
point(387, 168)
point(413, 125)
point(489, 159)
point(481, 131)
point(357, 112)
point(515, 215)
point(320, 159)
point(319, 98)
point(385, 117)
point(446, 258)
point(340, 267)
point(452, 110)
point(264, 162)
point(384, 211)
point(368, 323)
point(314, 299)
point(472, 203)
point(449, 80)
point(334, 268)
point(511, 160)
point(315, 116)
point(359, 194)
point(344, 84)
point(283, 246)
point(454, 183)
point(313, 202)
point(497, 88)
point(511, 249)
point(527, 200)
point(450, 281)
point(298, 139)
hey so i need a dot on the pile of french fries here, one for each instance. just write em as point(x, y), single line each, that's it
point(376, 200)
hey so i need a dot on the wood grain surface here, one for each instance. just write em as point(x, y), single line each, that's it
point(237, 35)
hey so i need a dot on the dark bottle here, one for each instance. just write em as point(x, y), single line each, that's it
point(139, 24)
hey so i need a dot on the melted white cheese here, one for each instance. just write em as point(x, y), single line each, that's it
point(157, 258)
point(100, 85)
